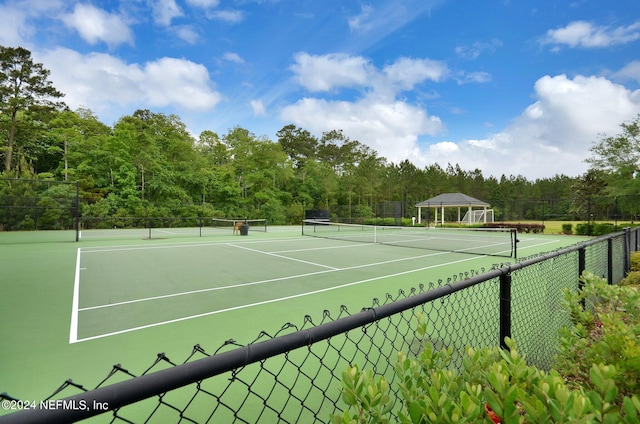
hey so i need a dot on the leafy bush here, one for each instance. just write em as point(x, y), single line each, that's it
point(584, 229)
point(520, 227)
point(596, 229)
point(603, 228)
point(495, 386)
point(595, 381)
point(632, 279)
point(635, 261)
point(380, 221)
point(609, 335)
point(27, 224)
point(567, 229)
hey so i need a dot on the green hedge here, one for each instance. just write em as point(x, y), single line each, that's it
point(596, 379)
point(596, 229)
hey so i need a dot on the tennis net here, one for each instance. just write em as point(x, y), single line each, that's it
point(478, 241)
point(229, 224)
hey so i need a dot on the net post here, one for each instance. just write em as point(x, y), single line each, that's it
point(77, 211)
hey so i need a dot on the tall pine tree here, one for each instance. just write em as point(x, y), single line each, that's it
point(24, 90)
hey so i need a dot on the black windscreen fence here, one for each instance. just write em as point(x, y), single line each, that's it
point(295, 375)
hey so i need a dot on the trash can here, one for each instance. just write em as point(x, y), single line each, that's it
point(244, 229)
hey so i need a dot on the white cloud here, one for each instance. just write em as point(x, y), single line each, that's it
point(477, 77)
point(95, 25)
point(380, 119)
point(387, 17)
point(258, 107)
point(108, 85)
point(164, 11)
point(444, 148)
point(205, 4)
point(336, 70)
point(231, 16)
point(585, 34)
point(233, 57)
point(362, 22)
point(474, 51)
point(631, 71)
point(551, 136)
point(13, 26)
point(390, 128)
point(583, 106)
point(187, 33)
point(407, 72)
point(179, 82)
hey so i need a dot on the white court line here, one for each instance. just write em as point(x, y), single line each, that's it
point(166, 231)
point(360, 245)
point(73, 331)
point(283, 257)
point(167, 296)
point(178, 245)
point(265, 302)
point(253, 283)
point(535, 245)
point(74, 339)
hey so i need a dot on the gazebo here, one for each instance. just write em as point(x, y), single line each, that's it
point(452, 200)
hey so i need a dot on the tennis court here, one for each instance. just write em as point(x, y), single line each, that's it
point(75, 309)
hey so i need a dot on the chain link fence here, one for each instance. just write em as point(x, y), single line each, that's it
point(27, 205)
point(588, 209)
point(295, 375)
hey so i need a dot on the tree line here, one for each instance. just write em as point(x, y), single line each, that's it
point(148, 164)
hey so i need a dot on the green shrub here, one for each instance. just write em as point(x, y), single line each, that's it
point(632, 279)
point(635, 261)
point(495, 386)
point(596, 229)
point(595, 382)
point(602, 228)
point(584, 229)
point(27, 224)
point(567, 229)
point(380, 221)
point(609, 335)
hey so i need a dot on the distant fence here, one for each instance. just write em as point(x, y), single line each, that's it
point(587, 209)
point(27, 205)
point(294, 376)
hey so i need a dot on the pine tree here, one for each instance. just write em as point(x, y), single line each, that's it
point(24, 90)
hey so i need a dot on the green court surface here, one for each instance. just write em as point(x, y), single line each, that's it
point(71, 310)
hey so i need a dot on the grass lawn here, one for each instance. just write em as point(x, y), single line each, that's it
point(555, 227)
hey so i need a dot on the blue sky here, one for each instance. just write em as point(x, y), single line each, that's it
point(508, 87)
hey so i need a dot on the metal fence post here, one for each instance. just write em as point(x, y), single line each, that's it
point(627, 251)
point(610, 261)
point(582, 264)
point(505, 308)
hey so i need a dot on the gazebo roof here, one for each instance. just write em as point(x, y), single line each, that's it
point(451, 200)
